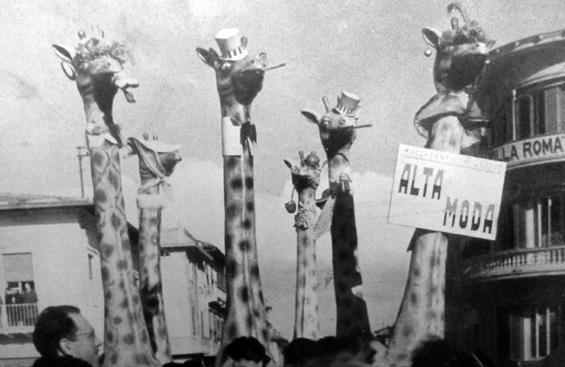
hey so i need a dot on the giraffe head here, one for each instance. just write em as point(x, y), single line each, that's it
point(461, 52)
point(97, 66)
point(338, 125)
point(156, 159)
point(306, 173)
point(239, 77)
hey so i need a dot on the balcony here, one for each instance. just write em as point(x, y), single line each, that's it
point(516, 264)
point(18, 317)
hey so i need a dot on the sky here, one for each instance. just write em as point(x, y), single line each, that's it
point(369, 47)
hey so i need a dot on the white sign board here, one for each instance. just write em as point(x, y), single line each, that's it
point(446, 192)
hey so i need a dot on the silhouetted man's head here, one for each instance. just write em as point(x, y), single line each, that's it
point(63, 331)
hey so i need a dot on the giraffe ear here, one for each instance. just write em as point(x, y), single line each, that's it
point(311, 116)
point(208, 56)
point(288, 164)
point(63, 53)
point(431, 36)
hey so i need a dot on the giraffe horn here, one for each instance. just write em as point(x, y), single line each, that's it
point(326, 103)
point(456, 5)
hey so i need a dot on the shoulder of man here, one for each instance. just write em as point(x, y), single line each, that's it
point(66, 361)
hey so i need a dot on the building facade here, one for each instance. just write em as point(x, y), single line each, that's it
point(49, 256)
point(506, 299)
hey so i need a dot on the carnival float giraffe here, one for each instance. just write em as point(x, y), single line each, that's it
point(452, 122)
point(337, 132)
point(97, 68)
point(156, 162)
point(306, 179)
point(239, 78)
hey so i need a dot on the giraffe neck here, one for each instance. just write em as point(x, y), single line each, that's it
point(245, 303)
point(422, 309)
point(306, 304)
point(351, 309)
point(150, 276)
point(126, 341)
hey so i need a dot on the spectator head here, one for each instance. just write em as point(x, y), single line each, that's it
point(247, 352)
point(63, 331)
point(301, 352)
point(27, 287)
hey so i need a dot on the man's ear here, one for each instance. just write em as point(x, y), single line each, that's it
point(65, 346)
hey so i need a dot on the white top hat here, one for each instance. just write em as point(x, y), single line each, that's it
point(347, 104)
point(231, 44)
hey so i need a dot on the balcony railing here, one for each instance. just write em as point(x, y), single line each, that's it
point(18, 316)
point(517, 263)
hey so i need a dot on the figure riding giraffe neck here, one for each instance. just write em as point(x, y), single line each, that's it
point(452, 122)
point(156, 162)
point(306, 179)
point(239, 79)
point(337, 133)
point(97, 68)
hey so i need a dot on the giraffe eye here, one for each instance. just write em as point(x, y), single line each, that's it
point(225, 66)
point(342, 121)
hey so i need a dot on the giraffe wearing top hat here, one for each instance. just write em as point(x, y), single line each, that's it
point(239, 78)
point(451, 121)
point(306, 179)
point(97, 68)
point(156, 162)
point(338, 129)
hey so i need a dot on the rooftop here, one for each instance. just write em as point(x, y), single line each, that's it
point(10, 201)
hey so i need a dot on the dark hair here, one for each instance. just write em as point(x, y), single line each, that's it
point(53, 324)
point(436, 352)
point(300, 352)
point(247, 348)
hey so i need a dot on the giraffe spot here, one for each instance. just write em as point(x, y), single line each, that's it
point(231, 331)
point(108, 295)
point(154, 221)
point(114, 358)
point(105, 273)
point(231, 268)
point(142, 360)
point(416, 271)
point(97, 158)
point(233, 209)
point(114, 179)
point(109, 337)
point(227, 240)
point(402, 356)
point(302, 280)
point(244, 294)
point(249, 183)
point(407, 330)
point(231, 163)
point(413, 298)
point(135, 299)
point(107, 250)
point(244, 245)
point(247, 224)
point(117, 320)
point(124, 303)
point(129, 339)
point(236, 183)
point(265, 334)
point(249, 321)
point(122, 265)
point(254, 271)
point(256, 313)
point(261, 296)
point(99, 196)
point(144, 337)
point(250, 205)
point(432, 315)
point(115, 221)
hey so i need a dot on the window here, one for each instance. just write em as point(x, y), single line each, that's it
point(539, 110)
point(20, 296)
point(534, 332)
point(540, 222)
